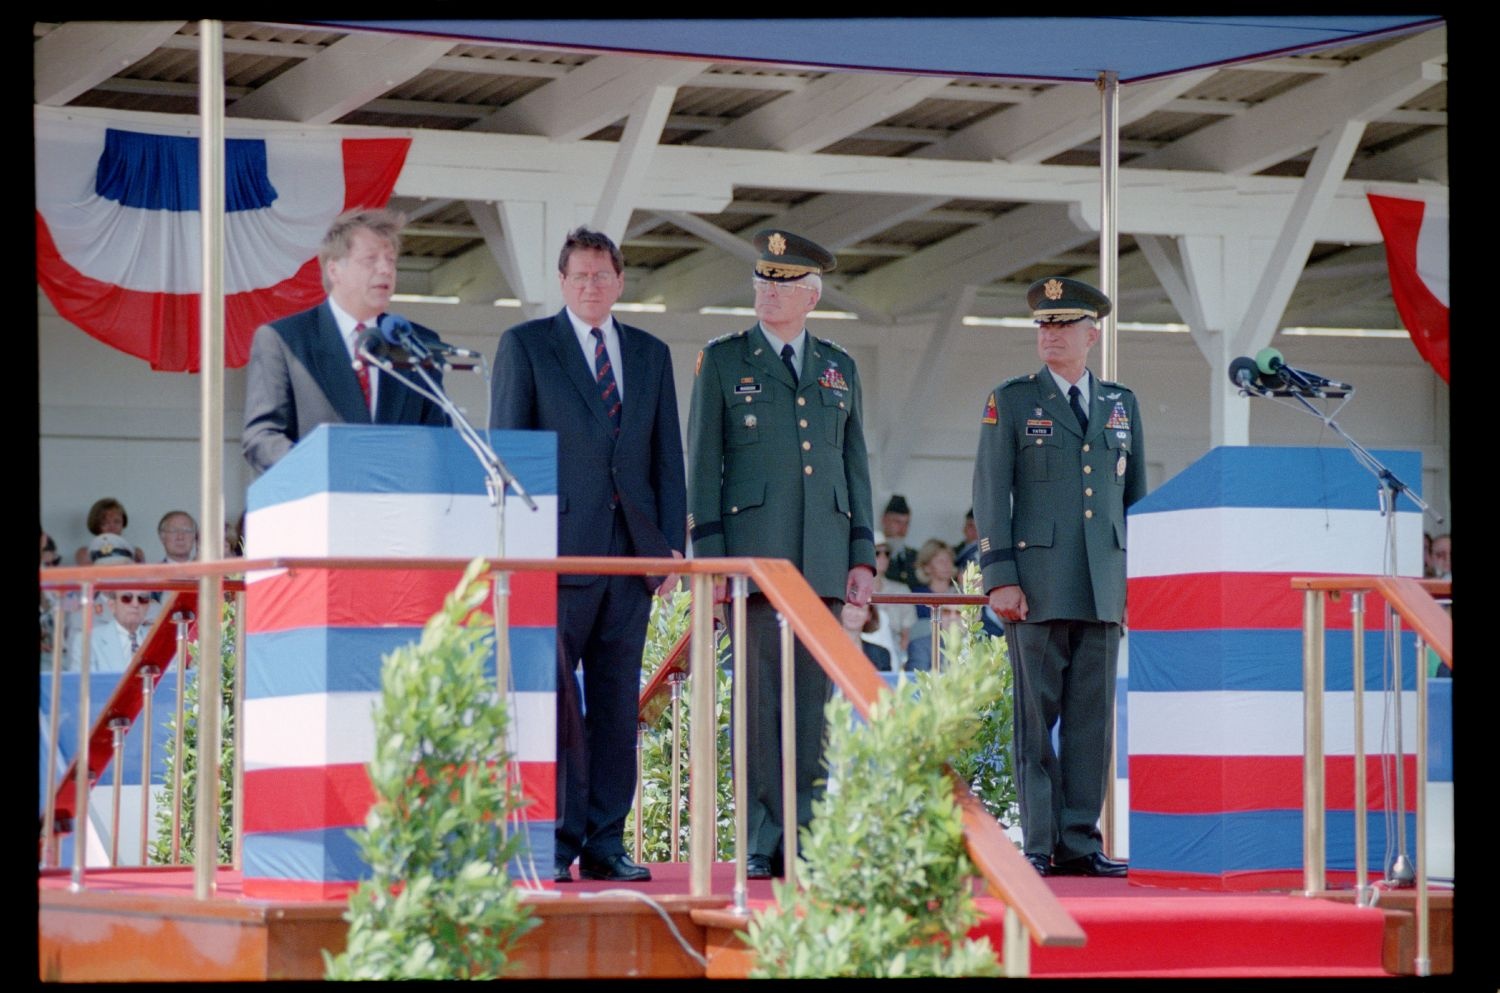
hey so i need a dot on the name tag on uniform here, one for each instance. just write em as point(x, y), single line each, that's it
point(747, 387)
point(1039, 427)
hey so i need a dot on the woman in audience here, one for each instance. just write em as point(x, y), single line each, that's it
point(935, 571)
point(106, 516)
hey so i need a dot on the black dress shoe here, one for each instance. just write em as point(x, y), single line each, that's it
point(1097, 864)
point(562, 872)
point(1041, 863)
point(614, 868)
point(758, 867)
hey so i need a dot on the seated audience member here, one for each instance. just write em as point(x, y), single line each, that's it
point(118, 634)
point(895, 618)
point(107, 516)
point(935, 571)
point(1442, 556)
point(967, 550)
point(179, 536)
point(859, 621)
point(894, 522)
point(1427, 570)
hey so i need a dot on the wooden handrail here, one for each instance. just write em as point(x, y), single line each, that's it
point(1412, 598)
point(1001, 865)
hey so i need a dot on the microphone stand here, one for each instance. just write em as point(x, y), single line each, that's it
point(1399, 870)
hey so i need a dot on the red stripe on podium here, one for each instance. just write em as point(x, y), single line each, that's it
point(1211, 784)
point(395, 597)
point(1233, 600)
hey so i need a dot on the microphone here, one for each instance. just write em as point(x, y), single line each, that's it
point(1273, 366)
point(397, 330)
point(374, 347)
point(1244, 373)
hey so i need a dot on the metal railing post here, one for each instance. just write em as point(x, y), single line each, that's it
point(675, 681)
point(737, 734)
point(640, 790)
point(788, 752)
point(117, 728)
point(1423, 963)
point(148, 710)
point(1314, 856)
point(181, 618)
point(1362, 890)
point(50, 847)
point(1400, 872)
point(238, 789)
point(81, 755)
point(702, 762)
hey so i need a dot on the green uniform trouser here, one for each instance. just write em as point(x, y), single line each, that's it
point(763, 736)
point(1065, 678)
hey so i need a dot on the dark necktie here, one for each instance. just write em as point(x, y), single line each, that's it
point(362, 371)
point(788, 357)
point(1073, 401)
point(135, 642)
point(605, 376)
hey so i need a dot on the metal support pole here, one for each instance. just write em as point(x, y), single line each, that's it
point(501, 607)
point(210, 439)
point(148, 715)
point(675, 681)
point(1109, 217)
point(1400, 872)
point(81, 754)
point(181, 618)
point(702, 762)
point(1314, 857)
point(54, 717)
point(937, 639)
point(737, 726)
point(1423, 963)
point(788, 752)
point(1363, 894)
point(640, 790)
point(237, 823)
point(117, 728)
point(1016, 956)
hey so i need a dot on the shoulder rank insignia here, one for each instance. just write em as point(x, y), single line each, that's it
point(1118, 419)
point(835, 345)
point(833, 379)
point(991, 411)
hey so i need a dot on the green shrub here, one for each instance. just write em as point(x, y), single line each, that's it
point(439, 903)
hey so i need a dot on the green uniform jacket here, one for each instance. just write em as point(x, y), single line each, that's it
point(778, 471)
point(1050, 502)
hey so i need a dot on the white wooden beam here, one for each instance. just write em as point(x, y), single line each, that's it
point(346, 75)
point(592, 96)
point(1296, 120)
point(1166, 262)
point(1425, 156)
point(1305, 217)
point(827, 110)
point(905, 421)
point(627, 173)
point(77, 55)
point(473, 276)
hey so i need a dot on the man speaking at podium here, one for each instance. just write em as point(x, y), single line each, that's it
point(606, 388)
point(302, 368)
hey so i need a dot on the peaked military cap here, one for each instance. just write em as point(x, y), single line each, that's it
point(785, 256)
point(1060, 300)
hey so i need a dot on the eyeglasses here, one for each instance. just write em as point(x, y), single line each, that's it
point(790, 289)
point(883, 551)
point(179, 531)
point(128, 598)
point(599, 279)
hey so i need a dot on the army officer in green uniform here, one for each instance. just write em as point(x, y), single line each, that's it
point(777, 467)
point(1061, 456)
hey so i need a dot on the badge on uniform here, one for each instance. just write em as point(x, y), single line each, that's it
point(1118, 418)
point(1039, 427)
point(833, 379)
point(747, 387)
point(991, 412)
point(1120, 467)
point(750, 423)
point(1123, 435)
point(1111, 396)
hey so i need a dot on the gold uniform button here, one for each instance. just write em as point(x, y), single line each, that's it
point(807, 446)
point(802, 423)
point(734, 510)
point(1020, 544)
point(1085, 448)
point(807, 469)
point(1088, 491)
point(749, 399)
point(841, 405)
point(1088, 514)
point(802, 401)
point(1087, 469)
point(1039, 441)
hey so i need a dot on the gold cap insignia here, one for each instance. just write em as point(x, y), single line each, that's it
point(1053, 290)
point(776, 243)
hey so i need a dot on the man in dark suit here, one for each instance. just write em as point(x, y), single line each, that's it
point(1061, 457)
point(606, 388)
point(780, 470)
point(302, 370)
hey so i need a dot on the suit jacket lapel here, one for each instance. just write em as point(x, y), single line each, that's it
point(334, 370)
point(634, 359)
point(1055, 402)
point(1099, 409)
point(570, 358)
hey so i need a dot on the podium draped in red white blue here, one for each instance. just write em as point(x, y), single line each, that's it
point(315, 636)
point(1215, 663)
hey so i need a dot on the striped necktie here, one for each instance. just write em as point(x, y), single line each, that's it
point(362, 371)
point(604, 375)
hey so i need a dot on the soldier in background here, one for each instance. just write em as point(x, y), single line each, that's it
point(778, 468)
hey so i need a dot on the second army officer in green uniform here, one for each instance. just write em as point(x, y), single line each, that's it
point(778, 468)
point(1061, 456)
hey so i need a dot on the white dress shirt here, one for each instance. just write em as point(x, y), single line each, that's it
point(585, 333)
